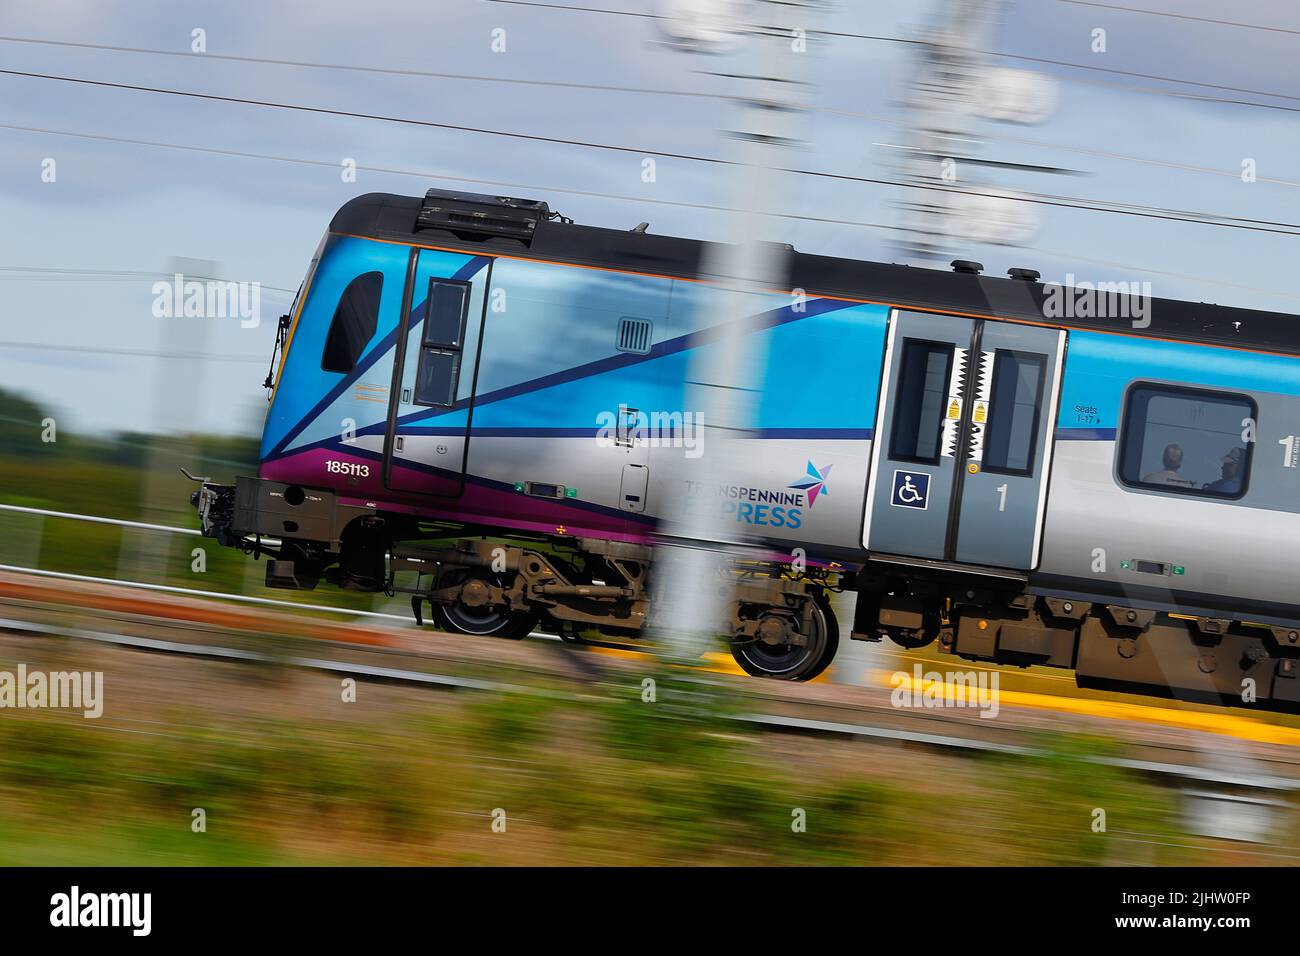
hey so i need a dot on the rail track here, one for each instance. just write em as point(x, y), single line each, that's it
point(439, 660)
point(378, 646)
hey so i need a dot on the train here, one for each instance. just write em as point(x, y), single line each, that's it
point(477, 390)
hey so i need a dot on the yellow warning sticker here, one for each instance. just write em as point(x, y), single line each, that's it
point(954, 407)
point(981, 413)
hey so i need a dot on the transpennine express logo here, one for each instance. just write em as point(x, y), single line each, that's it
point(765, 507)
point(814, 482)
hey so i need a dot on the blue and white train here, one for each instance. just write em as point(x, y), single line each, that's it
point(471, 388)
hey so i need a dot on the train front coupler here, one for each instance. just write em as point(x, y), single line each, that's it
point(303, 530)
point(215, 504)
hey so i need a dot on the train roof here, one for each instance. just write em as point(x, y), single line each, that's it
point(492, 225)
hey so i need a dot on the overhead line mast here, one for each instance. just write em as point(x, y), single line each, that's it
point(694, 585)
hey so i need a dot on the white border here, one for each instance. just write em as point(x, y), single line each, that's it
point(881, 405)
point(1048, 445)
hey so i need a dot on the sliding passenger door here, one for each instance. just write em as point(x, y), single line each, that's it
point(962, 444)
point(914, 460)
point(431, 409)
point(1012, 416)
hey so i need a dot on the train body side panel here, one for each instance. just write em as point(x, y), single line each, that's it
point(548, 371)
point(1102, 537)
point(549, 380)
point(814, 375)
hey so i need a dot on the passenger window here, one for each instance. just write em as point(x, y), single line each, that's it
point(1012, 431)
point(920, 401)
point(354, 323)
point(1187, 441)
point(438, 373)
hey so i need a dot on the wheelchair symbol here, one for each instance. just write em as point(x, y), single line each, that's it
point(911, 490)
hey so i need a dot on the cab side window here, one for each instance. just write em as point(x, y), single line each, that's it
point(353, 324)
point(1186, 441)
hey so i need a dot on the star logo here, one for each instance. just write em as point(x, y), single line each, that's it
point(814, 482)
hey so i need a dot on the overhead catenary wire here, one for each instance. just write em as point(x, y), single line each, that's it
point(428, 174)
point(547, 189)
point(1182, 16)
point(135, 353)
point(57, 274)
point(646, 90)
point(61, 274)
point(355, 114)
point(363, 68)
point(1068, 148)
point(922, 41)
point(1182, 94)
point(1188, 216)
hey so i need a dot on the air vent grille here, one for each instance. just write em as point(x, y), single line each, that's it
point(635, 335)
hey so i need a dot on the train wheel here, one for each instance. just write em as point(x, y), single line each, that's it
point(469, 616)
point(799, 662)
point(832, 639)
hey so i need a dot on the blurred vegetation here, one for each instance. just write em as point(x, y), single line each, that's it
point(620, 779)
point(23, 434)
point(129, 476)
point(614, 780)
point(1067, 787)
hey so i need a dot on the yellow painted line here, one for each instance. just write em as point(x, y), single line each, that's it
point(717, 663)
point(618, 652)
point(722, 663)
point(726, 664)
point(968, 666)
point(1229, 725)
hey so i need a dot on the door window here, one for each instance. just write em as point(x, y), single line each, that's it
point(920, 401)
point(438, 373)
point(1017, 391)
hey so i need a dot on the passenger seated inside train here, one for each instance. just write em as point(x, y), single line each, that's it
point(1172, 460)
point(1231, 466)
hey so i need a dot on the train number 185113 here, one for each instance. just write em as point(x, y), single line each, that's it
point(347, 468)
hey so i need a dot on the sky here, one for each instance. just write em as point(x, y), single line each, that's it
point(85, 345)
